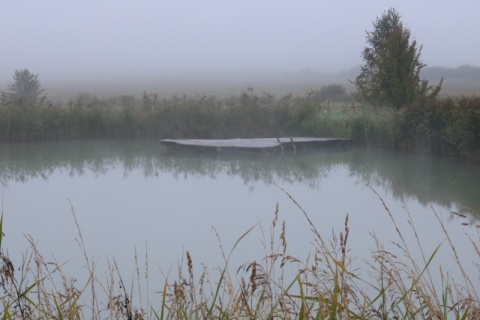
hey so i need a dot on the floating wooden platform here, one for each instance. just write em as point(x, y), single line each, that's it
point(257, 144)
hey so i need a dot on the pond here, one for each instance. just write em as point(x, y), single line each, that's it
point(136, 200)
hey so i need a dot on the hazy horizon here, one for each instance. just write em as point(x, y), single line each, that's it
point(99, 39)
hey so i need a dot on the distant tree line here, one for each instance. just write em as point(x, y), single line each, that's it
point(462, 73)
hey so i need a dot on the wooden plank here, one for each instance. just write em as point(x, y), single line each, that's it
point(256, 144)
point(237, 143)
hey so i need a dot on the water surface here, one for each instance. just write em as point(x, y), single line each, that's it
point(138, 195)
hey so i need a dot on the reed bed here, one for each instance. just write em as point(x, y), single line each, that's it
point(325, 285)
point(448, 126)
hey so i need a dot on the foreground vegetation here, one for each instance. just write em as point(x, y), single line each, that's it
point(449, 126)
point(394, 283)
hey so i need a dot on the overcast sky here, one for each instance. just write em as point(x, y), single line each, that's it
point(99, 37)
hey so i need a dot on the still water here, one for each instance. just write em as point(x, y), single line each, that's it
point(138, 196)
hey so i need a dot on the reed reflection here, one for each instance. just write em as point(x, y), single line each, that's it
point(449, 182)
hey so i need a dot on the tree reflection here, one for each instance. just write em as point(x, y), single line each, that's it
point(449, 182)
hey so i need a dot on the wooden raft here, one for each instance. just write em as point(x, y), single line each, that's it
point(256, 144)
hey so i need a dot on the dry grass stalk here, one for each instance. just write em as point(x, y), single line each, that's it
point(325, 285)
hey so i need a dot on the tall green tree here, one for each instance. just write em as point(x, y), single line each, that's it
point(391, 73)
point(25, 89)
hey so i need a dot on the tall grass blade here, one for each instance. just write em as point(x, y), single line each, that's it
point(415, 281)
point(1, 227)
point(445, 301)
point(336, 292)
point(164, 298)
point(59, 311)
point(465, 315)
point(284, 293)
point(210, 312)
point(6, 314)
point(301, 316)
point(340, 264)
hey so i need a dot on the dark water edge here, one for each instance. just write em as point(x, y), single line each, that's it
point(448, 181)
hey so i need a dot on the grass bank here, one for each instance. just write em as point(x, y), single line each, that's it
point(393, 284)
point(449, 126)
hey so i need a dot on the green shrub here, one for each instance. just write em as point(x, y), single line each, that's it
point(463, 129)
point(423, 127)
point(443, 127)
point(333, 93)
point(374, 127)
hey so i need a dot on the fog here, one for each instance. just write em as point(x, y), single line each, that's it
point(78, 42)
